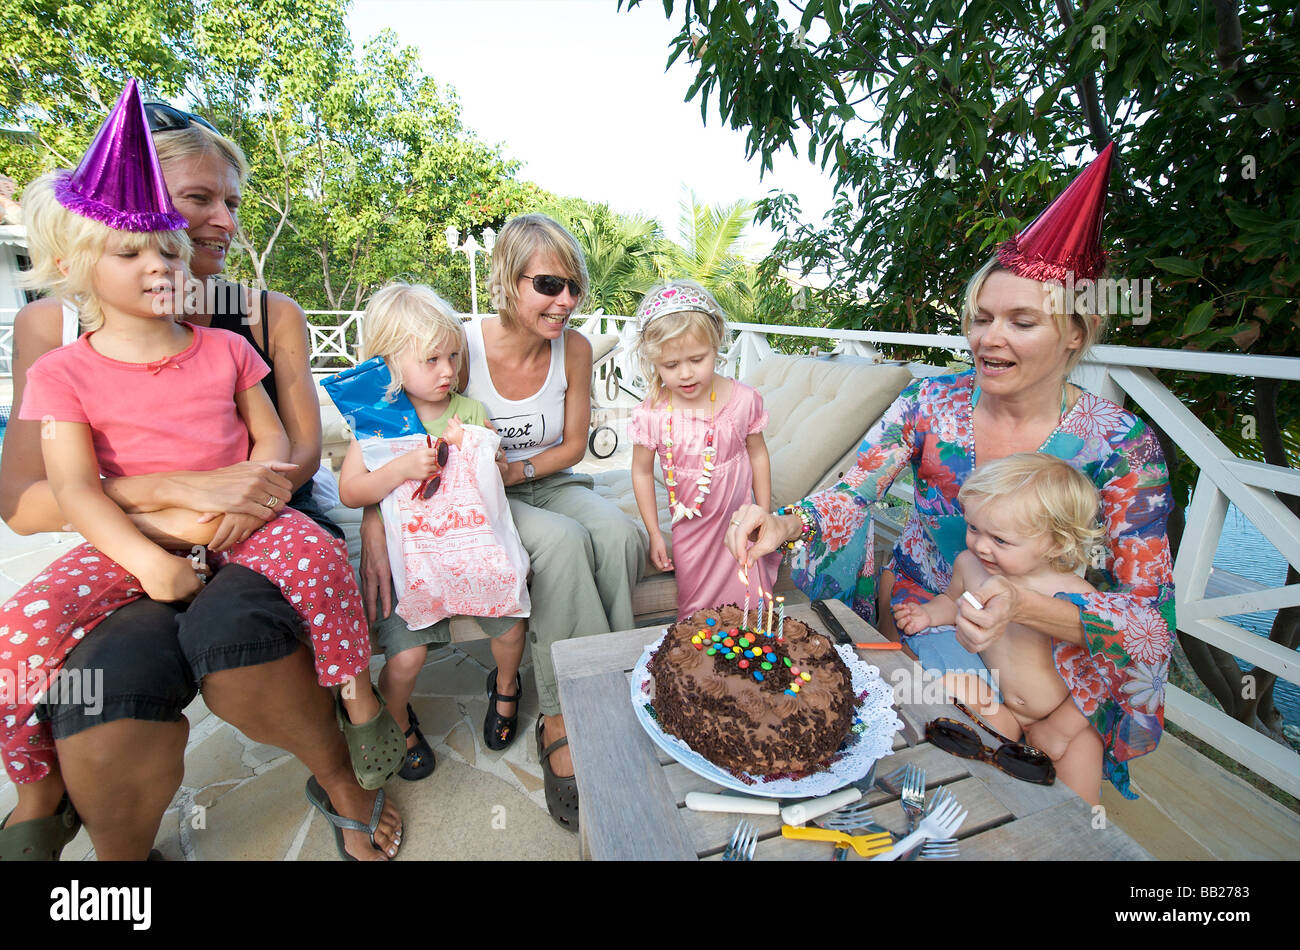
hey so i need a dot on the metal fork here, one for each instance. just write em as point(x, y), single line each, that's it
point(913, 795)
point(742, 844)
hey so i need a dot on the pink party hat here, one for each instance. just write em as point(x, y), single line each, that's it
point(1065, 239)
point(118, 181)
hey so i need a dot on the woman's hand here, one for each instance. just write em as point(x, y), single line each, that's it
point(977, 629)
point(376, 574)
point(659, 552)
point(755, 532)
point(245, 488)
point(512, 473)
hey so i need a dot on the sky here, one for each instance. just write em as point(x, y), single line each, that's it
point(576, 91)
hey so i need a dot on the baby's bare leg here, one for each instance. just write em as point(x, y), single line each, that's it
point(1080, 767)
point(971, 691)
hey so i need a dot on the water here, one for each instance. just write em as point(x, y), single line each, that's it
point(1246, 552)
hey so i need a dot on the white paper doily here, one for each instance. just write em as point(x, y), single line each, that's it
point(873, 738)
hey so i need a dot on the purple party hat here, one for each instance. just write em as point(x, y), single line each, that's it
point(118, 181)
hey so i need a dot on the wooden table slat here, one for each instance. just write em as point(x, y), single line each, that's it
point(612, 754)
point(1063, 832)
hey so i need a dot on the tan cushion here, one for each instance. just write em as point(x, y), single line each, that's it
point(819, 410)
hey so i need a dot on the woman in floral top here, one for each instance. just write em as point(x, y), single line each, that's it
point(1112, 648)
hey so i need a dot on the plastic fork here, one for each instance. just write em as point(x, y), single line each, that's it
point(744, 840)
point(943, 822)
point(865, 845)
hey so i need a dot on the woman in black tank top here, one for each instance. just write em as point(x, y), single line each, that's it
point(123, 759)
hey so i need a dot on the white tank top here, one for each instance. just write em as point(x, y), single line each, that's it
point(527, 426)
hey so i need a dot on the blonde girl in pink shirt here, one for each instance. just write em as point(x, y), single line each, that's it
point(139, 393)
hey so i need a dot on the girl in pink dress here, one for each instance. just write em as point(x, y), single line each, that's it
point(708, 432)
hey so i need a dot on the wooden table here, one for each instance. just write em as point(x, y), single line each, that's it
point(633, 794)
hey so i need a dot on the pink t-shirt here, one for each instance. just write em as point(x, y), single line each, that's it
point(177, 414)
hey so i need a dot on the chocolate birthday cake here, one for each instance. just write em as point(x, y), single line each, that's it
point(749, 701)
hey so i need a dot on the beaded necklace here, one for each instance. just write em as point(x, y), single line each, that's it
point(679, 510)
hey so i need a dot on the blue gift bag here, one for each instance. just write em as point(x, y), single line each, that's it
point(359, 395)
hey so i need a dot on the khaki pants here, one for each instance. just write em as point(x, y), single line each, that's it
point(586, 557)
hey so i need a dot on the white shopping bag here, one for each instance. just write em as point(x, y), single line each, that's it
point(457, 552)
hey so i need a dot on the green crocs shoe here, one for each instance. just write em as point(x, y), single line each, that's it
point(377, 748)
point(41, 839)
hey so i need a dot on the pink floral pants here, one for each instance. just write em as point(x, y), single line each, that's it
point(42, 622)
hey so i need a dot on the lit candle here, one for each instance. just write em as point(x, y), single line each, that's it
point(769, 613)
point(780, 626)
point(744, 579)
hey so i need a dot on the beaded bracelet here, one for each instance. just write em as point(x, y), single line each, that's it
point(809, 526)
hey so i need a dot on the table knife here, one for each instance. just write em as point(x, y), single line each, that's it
point(836, 629)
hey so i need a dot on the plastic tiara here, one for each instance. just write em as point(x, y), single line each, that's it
point(674, 299)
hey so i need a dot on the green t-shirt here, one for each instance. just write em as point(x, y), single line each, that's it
point(471, 412)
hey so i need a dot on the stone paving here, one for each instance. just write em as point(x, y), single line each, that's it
point(241, 800)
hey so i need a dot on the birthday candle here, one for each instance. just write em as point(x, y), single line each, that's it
point(744, 579)
point(780, 627)
point(769, 613)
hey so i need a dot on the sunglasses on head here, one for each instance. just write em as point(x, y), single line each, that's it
point(548, 285)
point(164, 118)
point(1015, 758)
point(430, 485)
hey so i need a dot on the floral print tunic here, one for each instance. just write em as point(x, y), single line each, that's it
point(1117, 677)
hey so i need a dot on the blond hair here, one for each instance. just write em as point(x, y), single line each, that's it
point(519, 240)
point(706, 326)
point(1050, 498)
point(65, 247)
point(401, 317)
point(1058, 305)
point(178, 145)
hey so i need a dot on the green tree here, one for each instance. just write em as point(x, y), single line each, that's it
point(713, 239)
point(947, 124)
point(621, 254)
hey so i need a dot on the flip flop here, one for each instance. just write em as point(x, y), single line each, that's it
point(316, 795)
point(41, 839)
point(561, 792)
point(377, 748)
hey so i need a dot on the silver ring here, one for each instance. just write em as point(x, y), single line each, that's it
point(735, 523)
point(273, 502)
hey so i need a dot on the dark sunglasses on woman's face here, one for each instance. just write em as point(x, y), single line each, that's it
point(165, 118)
point(1015, 758)
point(548, 285)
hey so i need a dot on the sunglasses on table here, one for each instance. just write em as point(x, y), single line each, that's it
point(548, 285)
point(430, 485)
point(1015, 758)
point(164, 118)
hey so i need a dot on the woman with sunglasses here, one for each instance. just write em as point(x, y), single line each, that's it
point(1027, 332)
point(238, 640)
point(534, 376)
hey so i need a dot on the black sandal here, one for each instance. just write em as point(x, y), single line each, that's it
point(498, 730)
point(419, 761)
point(561, 791)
